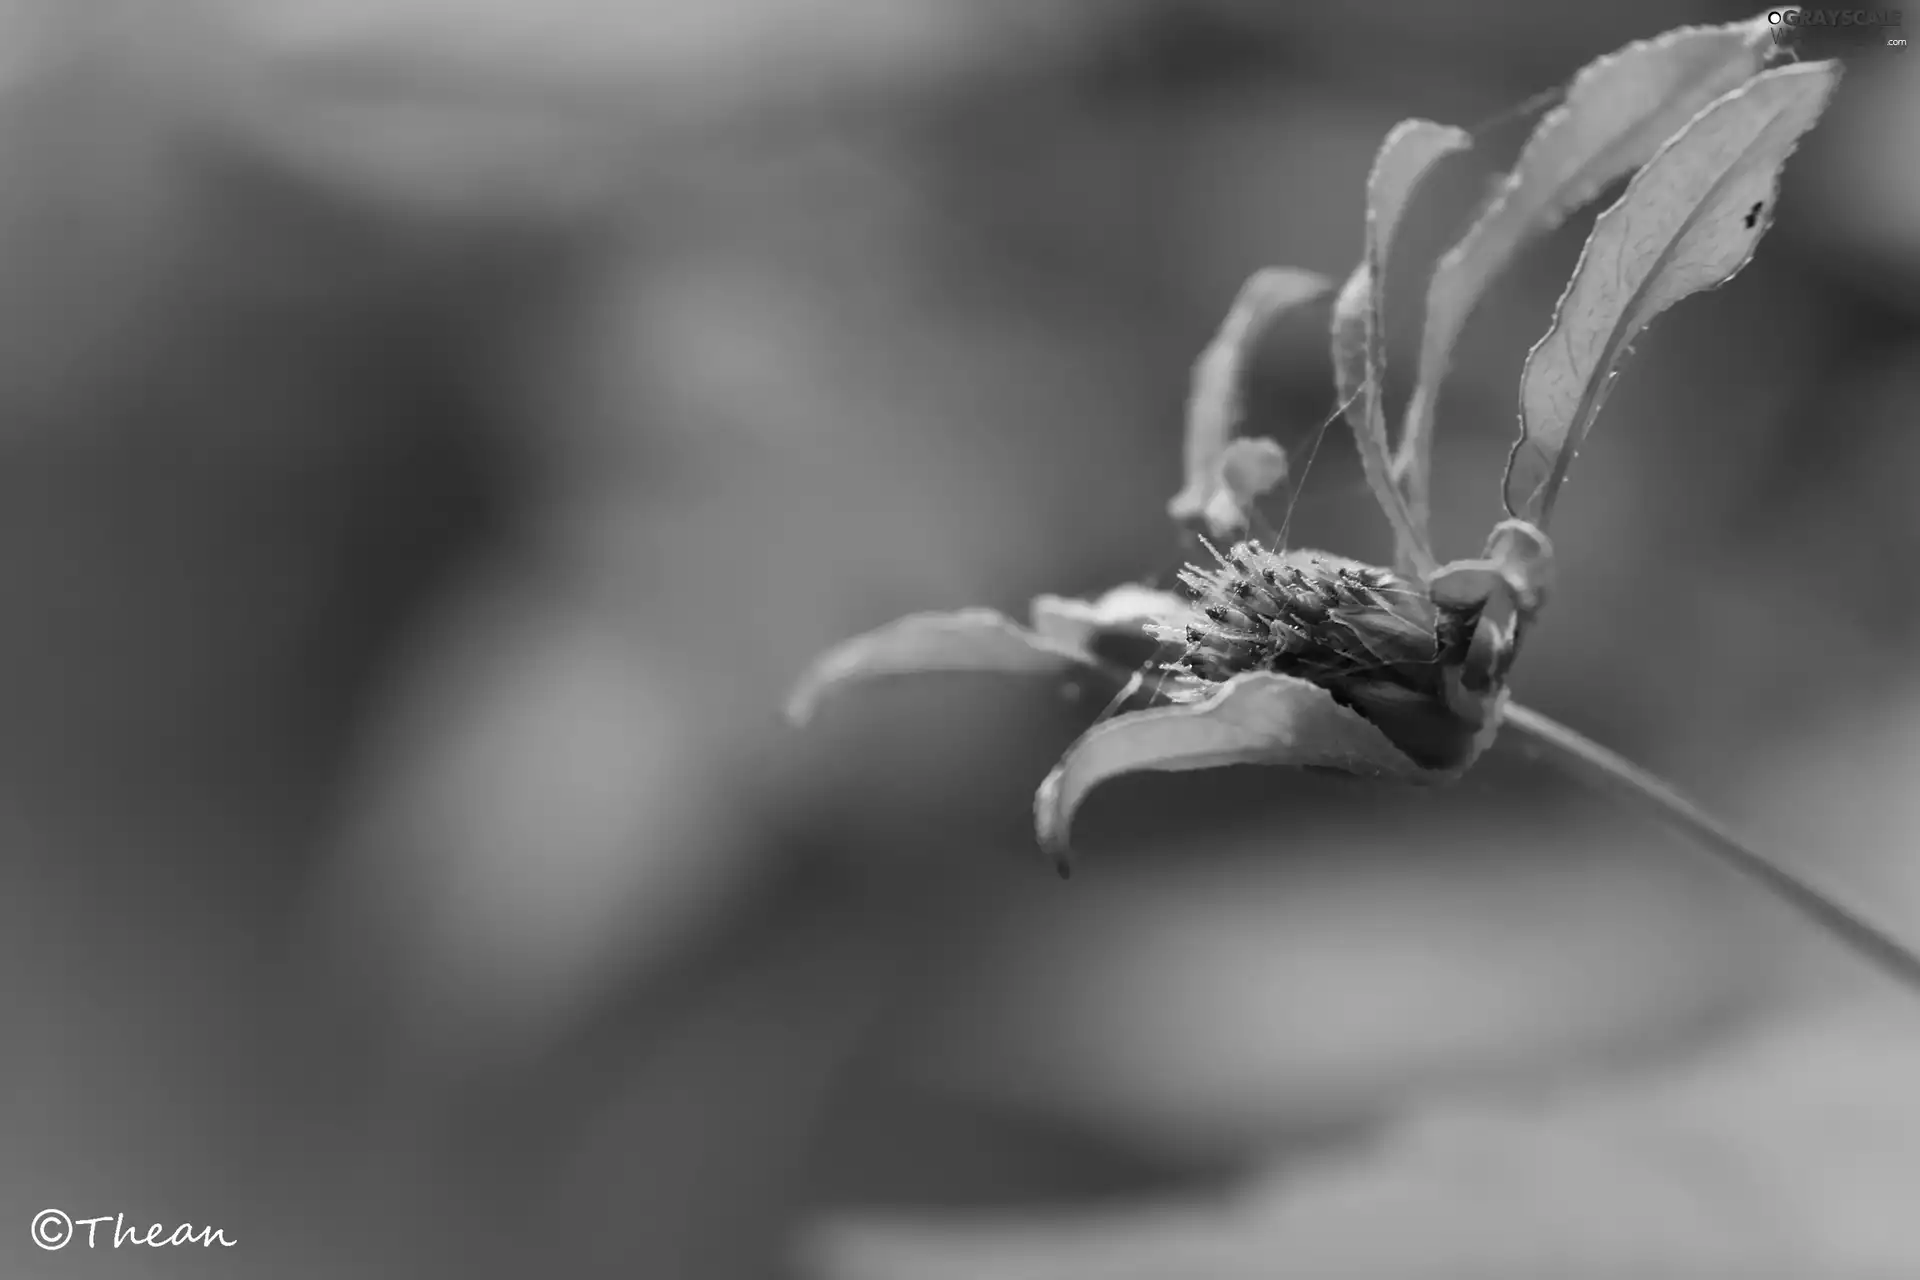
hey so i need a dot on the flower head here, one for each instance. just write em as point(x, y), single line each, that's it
point(1377, 643)
point(1300, 658)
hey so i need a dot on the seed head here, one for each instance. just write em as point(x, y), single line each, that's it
point(1374, 640)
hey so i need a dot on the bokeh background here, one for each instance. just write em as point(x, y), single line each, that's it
point(434, 435)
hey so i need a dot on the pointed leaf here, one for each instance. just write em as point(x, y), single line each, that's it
point(1617, 112)
point(1217, 402)
point(966, 640)
point(1688, 222)
point(1359, 321)
point(1255, 718)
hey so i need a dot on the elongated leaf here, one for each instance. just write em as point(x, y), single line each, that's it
point(1617, 112)
point(1217, 402)
point(1688, 222)
point(1359, 320)
point(965, 640)
point(1255, 718)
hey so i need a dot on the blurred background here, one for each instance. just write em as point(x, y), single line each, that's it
point(433, 436)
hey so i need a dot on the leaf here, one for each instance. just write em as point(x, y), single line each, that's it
point(965, 640)
point(1217, 401)
point(1255, 718)
point(1617, 112)
point(1687, 222)
point(1359, 321)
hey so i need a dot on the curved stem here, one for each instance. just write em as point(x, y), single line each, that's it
point(1592, 763)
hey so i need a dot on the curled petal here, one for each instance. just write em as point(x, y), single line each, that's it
point(1255, 718)
point(1111, 637)
point(921, 643)
point(1223, 477)
point(1250, 468)
point(1518, 557)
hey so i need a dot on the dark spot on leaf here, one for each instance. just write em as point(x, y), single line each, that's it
point(1753, 214)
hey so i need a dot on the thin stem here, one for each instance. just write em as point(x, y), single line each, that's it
point(1592, 763)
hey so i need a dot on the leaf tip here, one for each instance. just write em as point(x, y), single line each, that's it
point(1052, 819)
point(809, 691)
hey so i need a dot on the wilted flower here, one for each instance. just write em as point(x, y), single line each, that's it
point(1377, 643)
point(1303, 658)
point(1311, 660)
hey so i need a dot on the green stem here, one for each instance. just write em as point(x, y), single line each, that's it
point(1592, 763)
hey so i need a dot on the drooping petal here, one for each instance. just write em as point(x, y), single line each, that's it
point(1111, 636)
point(925, 643)
point(1255, 718)
point(1249, 469)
